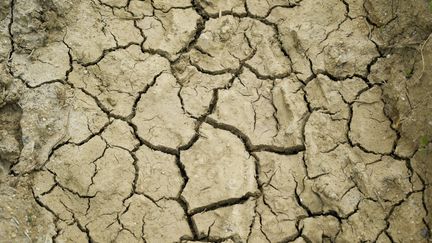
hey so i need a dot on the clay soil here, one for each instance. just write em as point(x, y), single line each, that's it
point(216, 121)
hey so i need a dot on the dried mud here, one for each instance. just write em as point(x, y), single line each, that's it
point(215, 121)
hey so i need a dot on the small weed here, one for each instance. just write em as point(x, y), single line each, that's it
point(424, 141)
point(30, 218)
point(409, 73)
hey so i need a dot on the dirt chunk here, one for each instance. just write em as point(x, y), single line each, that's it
point(197, 88)
point(75, 173)
point(169, 32)
point(347, 51)
point(281, 178)
point(356, 8)
point(96, 205)
point(319, 141)
point(387, 181)
point(43, 123)
point(268, 59)
point(160, 117)
point(70, 233)
point(305, 28)
point(333, 43)
point(140, 9)
point(230, 169)
point(158, 175)
point(325, 171)
point(54, 59)
point(407, 220)
point(228, 41)
point(111, 178)
point(63, 203)
point(222, 46)
point(227, 222)
point(88, 37)
point(117, 80)
point(112, 183)
point(85, 118)
point(324, 95)
point(274, 110)
point(249, 99)
point(300, 62)
point(363, 177)
point(365, 225)
point(351, 88)
point(383, 238)
point(161, 222)
point(320, 229)
point(120, 134)
point(370, 127)
point(43, 181)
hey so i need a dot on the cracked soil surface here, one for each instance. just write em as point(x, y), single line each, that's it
point(215, 121)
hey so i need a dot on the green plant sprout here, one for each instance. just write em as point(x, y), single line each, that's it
point(424, 141)
point(409, 73)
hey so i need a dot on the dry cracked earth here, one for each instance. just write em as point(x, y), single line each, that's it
point(215, 121)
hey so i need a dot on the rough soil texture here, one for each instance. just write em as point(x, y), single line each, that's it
point(215, 121)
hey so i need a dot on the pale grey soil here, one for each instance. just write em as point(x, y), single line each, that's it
point(215, 121)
